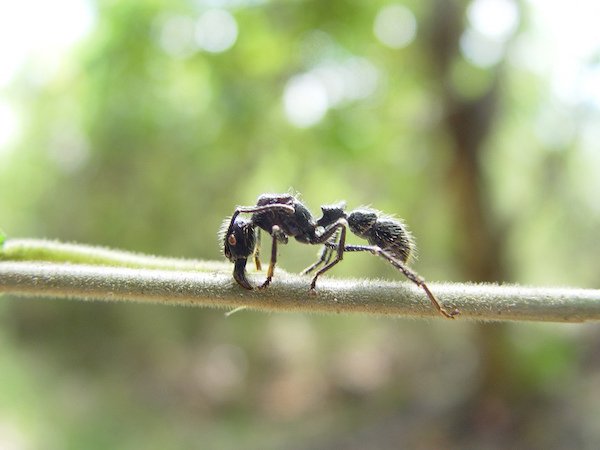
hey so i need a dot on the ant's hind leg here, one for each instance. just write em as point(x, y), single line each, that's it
point(419, 281)
point(339, 225)
point(408, 273)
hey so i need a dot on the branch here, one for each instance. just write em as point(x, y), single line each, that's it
point(51, 269)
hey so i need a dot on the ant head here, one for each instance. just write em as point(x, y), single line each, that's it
point(239, 242)
point(361, 221)
point(331, 213)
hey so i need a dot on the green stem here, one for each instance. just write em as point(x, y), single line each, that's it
point(60, 252)
point(54, 270)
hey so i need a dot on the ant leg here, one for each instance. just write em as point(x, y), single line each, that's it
point(254, 209)
point(324, 257)
point(408, 273)
point(341, 225)
point(230, 239)
point(257, 251)
point(275, 233)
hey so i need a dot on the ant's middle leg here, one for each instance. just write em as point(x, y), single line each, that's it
point(325, 255)
point(341, 225)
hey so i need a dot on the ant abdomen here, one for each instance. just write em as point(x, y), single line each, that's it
point(387, 233)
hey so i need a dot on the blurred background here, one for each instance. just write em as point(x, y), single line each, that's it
point(141, 124)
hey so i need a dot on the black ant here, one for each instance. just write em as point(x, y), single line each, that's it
point(283, 215)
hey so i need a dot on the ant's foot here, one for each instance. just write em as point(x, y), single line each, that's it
point(449, 315)
point(265, 284)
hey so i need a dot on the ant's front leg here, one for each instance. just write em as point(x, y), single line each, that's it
point(288, 209)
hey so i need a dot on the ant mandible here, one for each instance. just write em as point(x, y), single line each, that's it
point(283, 215)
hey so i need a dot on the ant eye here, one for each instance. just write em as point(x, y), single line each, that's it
point(231, 239)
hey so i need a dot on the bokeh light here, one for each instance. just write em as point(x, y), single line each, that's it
point(216, 31)
point(305, 100)
point(308, 96)
point(176, 35)
point(480, 50)
point(57, 26)
point(395, 26)
point(495, 19)
point(491, 23)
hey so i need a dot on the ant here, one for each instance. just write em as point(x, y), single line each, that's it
point(283, 215)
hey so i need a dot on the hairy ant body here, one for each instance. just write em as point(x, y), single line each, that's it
point(284, 216)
